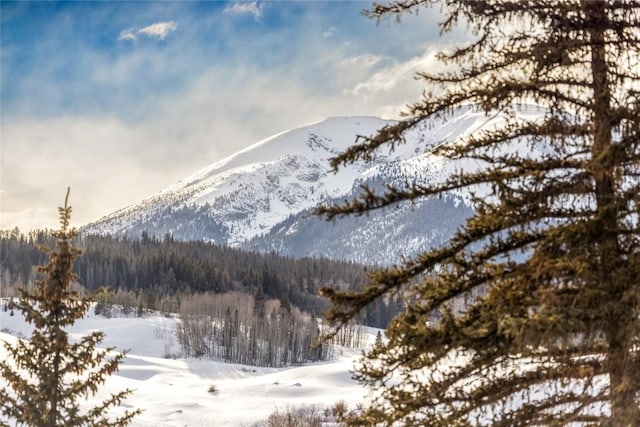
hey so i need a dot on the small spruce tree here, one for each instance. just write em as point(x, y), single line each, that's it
point(47, 375)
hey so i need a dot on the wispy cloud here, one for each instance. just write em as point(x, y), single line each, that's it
point(252, 8)
point(128, 34)
point(161, 114)
point(330, 32)
point(366, 60)
point(159, 30)
point(391, 77)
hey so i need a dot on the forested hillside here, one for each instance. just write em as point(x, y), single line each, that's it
point(153, 273)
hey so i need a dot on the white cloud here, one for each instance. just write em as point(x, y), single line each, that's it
point(113, 162)
point(365, 61)
point(128, 34)
point(98, 145)
point(399, 74)
point(159, 30)
point(252, 8)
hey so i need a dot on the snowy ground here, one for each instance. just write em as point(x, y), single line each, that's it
point(174, 392)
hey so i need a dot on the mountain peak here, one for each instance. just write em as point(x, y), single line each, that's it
point(260, 197)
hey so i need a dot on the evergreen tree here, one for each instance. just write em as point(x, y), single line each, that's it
point(378, 342)
point(549, 263)
point(48, 376)
point(259, 309)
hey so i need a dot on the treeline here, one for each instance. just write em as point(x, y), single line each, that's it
point(161, 267)
point(157, 274)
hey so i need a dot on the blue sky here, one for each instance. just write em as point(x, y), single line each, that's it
point(121, 99)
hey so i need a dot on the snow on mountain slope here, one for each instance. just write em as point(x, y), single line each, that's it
point(245, 199)
point(250, 191)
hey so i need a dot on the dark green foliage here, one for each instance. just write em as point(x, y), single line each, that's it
point(48, 377)
point(529, 315)
point(258, 304)
point(162, 268)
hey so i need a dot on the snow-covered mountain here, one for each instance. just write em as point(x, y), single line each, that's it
point(260, 197)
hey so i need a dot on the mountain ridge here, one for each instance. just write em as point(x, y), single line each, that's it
point(260, 197)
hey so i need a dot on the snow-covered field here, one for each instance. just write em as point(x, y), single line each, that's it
point(175, 392)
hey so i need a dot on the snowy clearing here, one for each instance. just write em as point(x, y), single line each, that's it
point(175, 392)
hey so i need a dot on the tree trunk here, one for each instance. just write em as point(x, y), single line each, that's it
point(624, 408)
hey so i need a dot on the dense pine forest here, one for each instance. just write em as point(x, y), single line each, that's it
point(158, 268)
point(237, 306)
